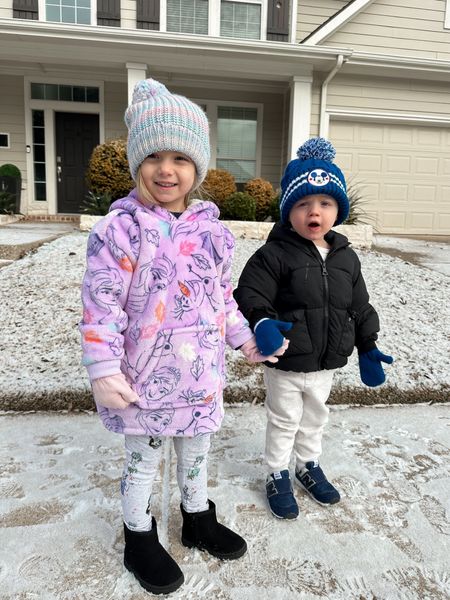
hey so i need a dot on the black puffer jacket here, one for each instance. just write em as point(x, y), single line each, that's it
point(327, 301)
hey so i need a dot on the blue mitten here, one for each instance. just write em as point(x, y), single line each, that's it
point(370, 368)
point(268, 335)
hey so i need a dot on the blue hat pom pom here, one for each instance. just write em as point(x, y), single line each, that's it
point(318, 148)
point(148, 88)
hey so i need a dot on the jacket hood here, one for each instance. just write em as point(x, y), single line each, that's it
point(284, 232)
point(202, 209)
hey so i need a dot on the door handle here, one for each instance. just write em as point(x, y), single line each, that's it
point(58, 173)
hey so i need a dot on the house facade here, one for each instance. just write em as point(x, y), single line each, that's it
point(372, 76)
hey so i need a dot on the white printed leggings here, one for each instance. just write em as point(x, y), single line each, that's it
point(143, 455)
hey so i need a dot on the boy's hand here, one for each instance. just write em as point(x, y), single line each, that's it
point(370, 368)
point(268, 335)
point(113, 391)
point(253, 355)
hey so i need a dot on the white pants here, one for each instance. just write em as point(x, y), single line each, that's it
point(296, 415)
point(143, 455)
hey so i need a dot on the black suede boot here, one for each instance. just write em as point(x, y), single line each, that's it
point(149, 562)
point(201, 530)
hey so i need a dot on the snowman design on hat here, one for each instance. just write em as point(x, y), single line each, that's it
point(318, 177)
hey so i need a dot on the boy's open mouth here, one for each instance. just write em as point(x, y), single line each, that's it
point(314, 225)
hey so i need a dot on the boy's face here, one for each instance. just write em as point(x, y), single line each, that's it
point(313, 216)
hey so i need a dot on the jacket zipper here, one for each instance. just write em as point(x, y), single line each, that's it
point(326, 312)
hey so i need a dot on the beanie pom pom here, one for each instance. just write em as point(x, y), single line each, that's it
point(318, 148)
point(148, 88)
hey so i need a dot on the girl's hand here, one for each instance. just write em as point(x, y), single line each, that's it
point(253, 355)
point(113, 391)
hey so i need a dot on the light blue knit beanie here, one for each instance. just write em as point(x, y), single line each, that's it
point(158, 120)
point(314, 172)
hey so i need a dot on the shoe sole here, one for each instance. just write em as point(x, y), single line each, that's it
point(288, 517)
point(230, 556)
point(156, 589)
point(300, 484)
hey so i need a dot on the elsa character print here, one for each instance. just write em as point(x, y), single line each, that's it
point(158, 242)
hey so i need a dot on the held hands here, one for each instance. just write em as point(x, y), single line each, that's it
point(370, 368)
point(253, 355)
point(268, 335)
point(113, 391)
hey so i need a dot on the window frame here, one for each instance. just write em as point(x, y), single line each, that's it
point(42, 14)
point(214, 18)
point(447, 15)
point(212, 111)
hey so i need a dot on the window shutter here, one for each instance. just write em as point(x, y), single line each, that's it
point(147, 14)
point(25, 9)
point(278, 20)
point(108, 13)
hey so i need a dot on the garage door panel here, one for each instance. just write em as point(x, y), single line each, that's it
point(401, 169)
point(426, 165)
point(398, 164)
point(421, 193)
point(370, 162)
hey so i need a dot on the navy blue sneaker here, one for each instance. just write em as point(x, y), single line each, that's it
point(280, 495)
point(312, 479)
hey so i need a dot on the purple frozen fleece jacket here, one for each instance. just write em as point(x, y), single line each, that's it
point(158, 307)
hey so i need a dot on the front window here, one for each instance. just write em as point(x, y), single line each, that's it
point(240, 20)
point(237, 141)
point(68, 11)
point(226, 18)
point(187, 16)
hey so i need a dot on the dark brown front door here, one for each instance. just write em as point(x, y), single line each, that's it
point(76, 136)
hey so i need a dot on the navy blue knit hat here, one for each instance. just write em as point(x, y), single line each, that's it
point(313, 172)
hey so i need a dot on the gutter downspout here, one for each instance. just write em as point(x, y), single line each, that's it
point(324, 121)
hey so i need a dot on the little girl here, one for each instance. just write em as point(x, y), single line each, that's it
point(158, 311)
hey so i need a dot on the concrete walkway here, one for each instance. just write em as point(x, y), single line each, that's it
point(388, 538)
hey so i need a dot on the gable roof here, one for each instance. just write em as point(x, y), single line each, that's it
point(331, 25)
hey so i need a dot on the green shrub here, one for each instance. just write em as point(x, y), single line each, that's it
point(239, 207)
point(274, 208)
point(9, 170)
point(357, 202)
point(263, 193)
point(7, 203)
point(96, 204)
point(219, 184)
point(108, 171)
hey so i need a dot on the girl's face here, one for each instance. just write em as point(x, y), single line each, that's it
point(313, 216)
point(169, 177)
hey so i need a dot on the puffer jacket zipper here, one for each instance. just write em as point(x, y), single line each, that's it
point(326, 294)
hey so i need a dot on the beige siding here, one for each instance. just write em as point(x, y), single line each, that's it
point(312, 13)
point(116, 100)
point(6, 9)
point(402, 27)
point(403, 172)
point(12, 121)
point(128, 14)
point(384, 94)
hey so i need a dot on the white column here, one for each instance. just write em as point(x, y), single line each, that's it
point(300, 113)
point(136, 72)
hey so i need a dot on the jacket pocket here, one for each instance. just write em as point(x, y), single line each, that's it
point(299, 338)
point(183, 366)
point(347, 341)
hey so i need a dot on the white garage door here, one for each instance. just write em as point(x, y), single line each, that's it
point(403, 170)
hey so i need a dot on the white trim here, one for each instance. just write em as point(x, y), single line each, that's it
point(214, 18)
point(211, 111)
point(50, 107)
point(338, 114)
point(341, 18)
point(42, 13)
point(8, 138)
point(447, 15)
point(135, 72)
point(293, 22)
